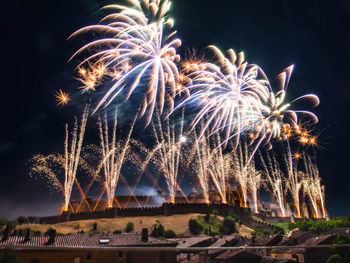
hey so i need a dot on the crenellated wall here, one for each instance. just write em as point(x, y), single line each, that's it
point(166, 209)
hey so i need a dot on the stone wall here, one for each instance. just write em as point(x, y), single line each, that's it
point(166, 209)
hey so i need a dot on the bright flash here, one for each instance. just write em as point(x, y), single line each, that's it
point(183, 139)
point(62, 97)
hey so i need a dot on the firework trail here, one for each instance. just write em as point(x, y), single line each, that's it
point(294, 183)
point(113, 155)
point(255, 181)
point(51, 165)
point(137, 49)
point(276, 180)
point(202, 159)
point(244, 171)
point(313, 187)
point(72, 154)
point(220, 168)
point(167, 152)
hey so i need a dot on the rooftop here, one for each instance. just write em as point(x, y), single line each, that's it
point(86, 240)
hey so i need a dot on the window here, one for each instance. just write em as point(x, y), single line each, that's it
point(88, 256)
point(120, 254)
point(162, 256)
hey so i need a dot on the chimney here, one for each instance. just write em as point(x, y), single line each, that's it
point(27, 236)
point(144, 236)
point(52, 236)
point(5, 234)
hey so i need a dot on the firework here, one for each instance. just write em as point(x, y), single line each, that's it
point(276, 180)
point(229, 93)
point(244, 172)
point(234, 97)
point(167, 152)
point(48, 165)
point(137, 51)
point(294, 183)
point(113, 155)
point(62, 97)
point(202, 163)
point(220, 168)
point(313, 187)
point(255, 181)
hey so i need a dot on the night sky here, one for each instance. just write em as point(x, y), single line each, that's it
point(311, 34)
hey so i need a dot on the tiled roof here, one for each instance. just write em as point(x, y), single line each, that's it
point(267, 240)
point(85, 240)
point(239, 256)
point(194, 241)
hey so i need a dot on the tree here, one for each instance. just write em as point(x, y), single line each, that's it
point(22, 220)
point(228, 226)
point(3, 221)
point(49, 231)
point(129, 227)
point(157, 229)
point(11, 224)
point(194, 226)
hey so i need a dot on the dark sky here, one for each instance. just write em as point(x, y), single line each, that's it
point(311, 34)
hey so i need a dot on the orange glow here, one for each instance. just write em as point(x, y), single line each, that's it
point(82, 71)
point(297, 156)
point(304, 140)
point(62, 97)
point(312, 141)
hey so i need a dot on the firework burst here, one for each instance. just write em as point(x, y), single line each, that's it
point(62, 97)
point(235, 97)
point(136, 49)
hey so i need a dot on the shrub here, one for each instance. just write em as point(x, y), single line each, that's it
point(20, 232)
point(11, 224)
point(129, 227)
point(37, 233)
point(3, 221)
point(319, 227)
point(117, 231)
point(335, 258)
point(170, 233)
point(194, 226)
point(157, 229)
point(48, 231)
point(77, 226)
point(340, 254)
point(215, 213)
point(228, 226)
point(277, 230)
point(22, 220)
point(94, 226)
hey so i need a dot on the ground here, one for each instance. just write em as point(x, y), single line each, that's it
point(178, 223)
